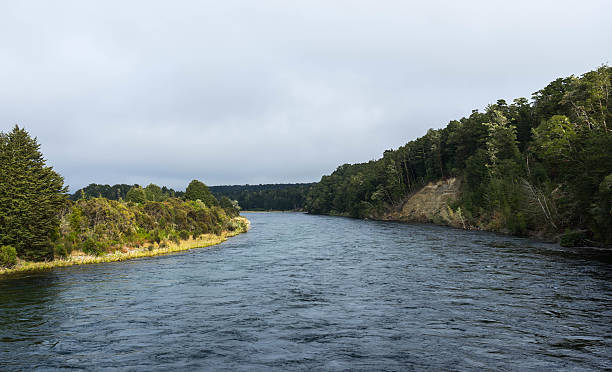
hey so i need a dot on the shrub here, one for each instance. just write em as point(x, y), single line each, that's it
point(174, 237)
point(90, 246)
point(63, 248)
point(184, 234)
point(8, 256)
point(157, 236)
point(60, 250)
point(573, 239)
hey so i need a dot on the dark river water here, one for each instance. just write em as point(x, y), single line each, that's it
point(302, 292)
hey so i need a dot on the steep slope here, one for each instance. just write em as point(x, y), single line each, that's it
point(431, 204)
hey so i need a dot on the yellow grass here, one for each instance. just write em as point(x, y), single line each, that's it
point(126, 253)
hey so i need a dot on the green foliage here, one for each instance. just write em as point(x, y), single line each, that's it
point(502, 146)
point(554, 139)
point(96, 225)
point(280, 197)
point(93, 190)
point(197, 190)
point(230, 207)
point(154, 193)
point(574, 239)
point(93, 247)
point(540, 166)
point(8, 256)
point(120, 191)
point(31, 197)
point(136, 195)
point(64, 248)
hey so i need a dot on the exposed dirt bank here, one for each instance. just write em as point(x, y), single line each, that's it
point(431, 204)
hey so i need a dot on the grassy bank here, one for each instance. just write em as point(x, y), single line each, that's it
point(126, 253)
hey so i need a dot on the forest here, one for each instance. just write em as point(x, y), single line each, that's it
point(115, 192)
point(39, 222)
point(539, 167)
point(265, 197)
point(278, 197)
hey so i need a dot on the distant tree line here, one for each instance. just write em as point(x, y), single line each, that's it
point(263, 197)
point(118, 192)
point(280, 197)
point(542, 166)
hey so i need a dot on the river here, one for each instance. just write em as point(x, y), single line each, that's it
point(302, 292)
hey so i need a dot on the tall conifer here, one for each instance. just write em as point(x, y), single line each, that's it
point(31, 196)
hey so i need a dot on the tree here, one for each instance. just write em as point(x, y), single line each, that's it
point(197, 190)
point(31, 197)
point(555, 138)
point(230, 206)
point(154, 193)
point(501, 144)
point(136, 194)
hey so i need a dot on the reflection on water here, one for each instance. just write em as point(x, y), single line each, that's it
point(311, 292)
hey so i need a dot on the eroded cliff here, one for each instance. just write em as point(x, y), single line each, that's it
point(431, 204)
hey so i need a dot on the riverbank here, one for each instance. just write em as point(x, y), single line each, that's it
point(126, 253)
point(275, 211)
point(436, 203)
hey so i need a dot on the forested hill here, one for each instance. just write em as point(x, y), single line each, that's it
point(279, 197)
point(541, 166)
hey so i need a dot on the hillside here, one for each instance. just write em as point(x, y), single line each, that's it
point(539, 167)
point(431, 204)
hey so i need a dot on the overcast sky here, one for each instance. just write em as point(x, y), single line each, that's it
point(234, 92)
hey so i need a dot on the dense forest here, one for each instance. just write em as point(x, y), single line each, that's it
point(38, 222)
point(532, 167)
point(279, 197)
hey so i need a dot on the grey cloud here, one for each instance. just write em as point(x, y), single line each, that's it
point(269, 91)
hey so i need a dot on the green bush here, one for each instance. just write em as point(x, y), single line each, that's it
point(174, 237)
point(8, 256)
point(573, 239)
point(60, 250)
point(98, 225)
point(90, 246)
point(184, 234)
point(63, 248)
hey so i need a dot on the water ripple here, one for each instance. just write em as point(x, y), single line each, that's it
point(303, 292)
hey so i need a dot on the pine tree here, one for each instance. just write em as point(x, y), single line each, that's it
point(31, 196)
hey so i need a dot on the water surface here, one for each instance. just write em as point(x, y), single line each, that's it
point(302, 292)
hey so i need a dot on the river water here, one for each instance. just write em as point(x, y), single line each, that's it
point(301, 292)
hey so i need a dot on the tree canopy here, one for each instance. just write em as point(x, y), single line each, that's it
point(538, 165)
point(280, 197)
point(197, 190)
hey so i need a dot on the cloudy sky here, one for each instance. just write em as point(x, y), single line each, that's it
point(234, 92)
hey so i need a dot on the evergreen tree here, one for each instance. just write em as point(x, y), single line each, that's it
point(197, 190)
point(31, 196)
